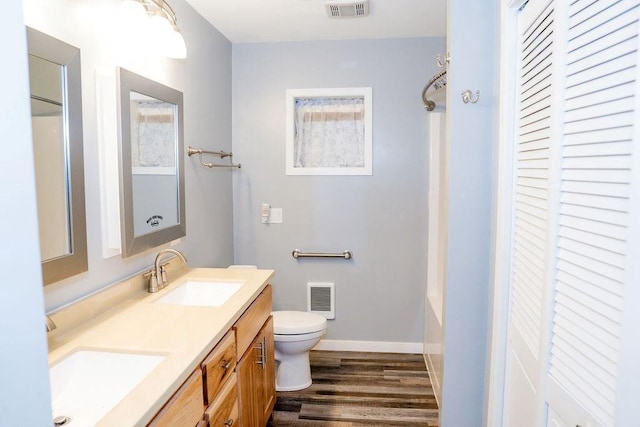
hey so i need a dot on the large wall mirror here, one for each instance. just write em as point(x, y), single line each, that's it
point(56, 117)
point(151, 163)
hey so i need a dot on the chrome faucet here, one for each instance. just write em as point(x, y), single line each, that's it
point(49, 323)
point(158, 276)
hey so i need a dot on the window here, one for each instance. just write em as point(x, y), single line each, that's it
point(329, 131)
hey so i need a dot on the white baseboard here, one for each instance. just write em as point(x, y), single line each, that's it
point(370, 346)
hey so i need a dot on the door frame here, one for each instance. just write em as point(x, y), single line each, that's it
point(495, 387)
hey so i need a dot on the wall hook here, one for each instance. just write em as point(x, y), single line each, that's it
point(467, 96)
point(439, 62)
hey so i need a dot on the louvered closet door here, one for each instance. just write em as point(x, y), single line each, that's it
point(600, 93)
point(529, 253)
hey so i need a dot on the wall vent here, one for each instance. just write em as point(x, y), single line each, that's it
point(321, 299)
point(338, 9)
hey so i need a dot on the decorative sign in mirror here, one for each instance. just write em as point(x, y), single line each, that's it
point(151, 163)
point(56, 118)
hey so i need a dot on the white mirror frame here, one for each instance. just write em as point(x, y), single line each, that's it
point(133, 244)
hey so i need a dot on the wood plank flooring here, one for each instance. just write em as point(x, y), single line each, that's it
point(352, 389)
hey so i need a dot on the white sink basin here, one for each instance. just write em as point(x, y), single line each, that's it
point(87, 384)
point(201, 293)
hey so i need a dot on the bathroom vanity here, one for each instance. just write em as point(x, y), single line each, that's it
point(213, 358)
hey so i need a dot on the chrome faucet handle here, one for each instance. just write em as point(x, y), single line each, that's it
point(153, 281)
point(163, 272)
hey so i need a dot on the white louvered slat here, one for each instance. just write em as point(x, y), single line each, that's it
point(531, 186)
point(604, 149)
point(605, 242)
point(602, 22)
point(576, 292)
point(616, 106)
point(593, 252)
point(578, 184)
point(595, 227)
point(602, 69)
point(621, 35)
point(593, 216)
point(598, 123)
point(624, 47)
point(571, 344)
point(601, 215)
point(616, 90)
point(589, 264)
point(615, 181)
point(617, 76)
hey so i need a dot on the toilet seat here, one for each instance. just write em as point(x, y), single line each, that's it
point(297, 323)
point(298, 337)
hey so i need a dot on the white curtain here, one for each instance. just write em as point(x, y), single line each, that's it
point(329, 132)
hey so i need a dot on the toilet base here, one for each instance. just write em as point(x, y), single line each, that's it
point(293, 373)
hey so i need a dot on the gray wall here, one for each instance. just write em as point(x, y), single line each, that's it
point(204, 78)
point(471, 141)
point(381, 218)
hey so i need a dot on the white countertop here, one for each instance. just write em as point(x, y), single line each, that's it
point(184, 334)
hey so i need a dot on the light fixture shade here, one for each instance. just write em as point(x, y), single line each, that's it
point(159, 30)
point(133, 12)
point(175, 47)
point(154, 26)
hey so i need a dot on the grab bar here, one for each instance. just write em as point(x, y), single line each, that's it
point(222, 154)
point(344, 254)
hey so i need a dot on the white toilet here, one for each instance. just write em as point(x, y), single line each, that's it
point(295, 333)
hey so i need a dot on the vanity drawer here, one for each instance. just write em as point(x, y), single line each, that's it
point(248, 326)
point(223, 411)
point(218, 366)
point(185, 407)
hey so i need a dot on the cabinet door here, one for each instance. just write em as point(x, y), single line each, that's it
point(246, 370)
point(256, 378)
point(265, 385)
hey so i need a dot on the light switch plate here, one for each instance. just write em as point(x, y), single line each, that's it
point(275, 216)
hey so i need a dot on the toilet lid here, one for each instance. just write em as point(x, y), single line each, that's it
point(297, 322)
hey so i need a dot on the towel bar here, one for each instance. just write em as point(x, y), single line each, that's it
point(298, 254)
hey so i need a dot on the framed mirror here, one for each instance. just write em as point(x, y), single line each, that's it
point(56, 117)
point(152, 209)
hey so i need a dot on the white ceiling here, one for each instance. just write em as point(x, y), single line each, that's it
point(244, 21)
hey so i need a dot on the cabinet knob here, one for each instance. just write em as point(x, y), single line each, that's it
point(226, 364)
point(229, 422)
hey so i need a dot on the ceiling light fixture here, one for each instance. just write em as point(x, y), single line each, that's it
point(158, 20)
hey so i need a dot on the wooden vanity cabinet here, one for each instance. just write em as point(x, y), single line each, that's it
point(235, 383)
point(256, 365)
point(185, 408)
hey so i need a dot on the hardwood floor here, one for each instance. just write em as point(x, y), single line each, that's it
point(352, 389)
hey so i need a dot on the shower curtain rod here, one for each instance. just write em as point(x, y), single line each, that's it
point(438, 81)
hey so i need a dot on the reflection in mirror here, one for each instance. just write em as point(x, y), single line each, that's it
point(56, 110)
point(152, 179)
point(153, 163)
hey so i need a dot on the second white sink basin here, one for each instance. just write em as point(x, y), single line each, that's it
point(88, 384)
point(201, 293)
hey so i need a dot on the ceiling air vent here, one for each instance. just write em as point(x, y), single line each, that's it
point(338, 9)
